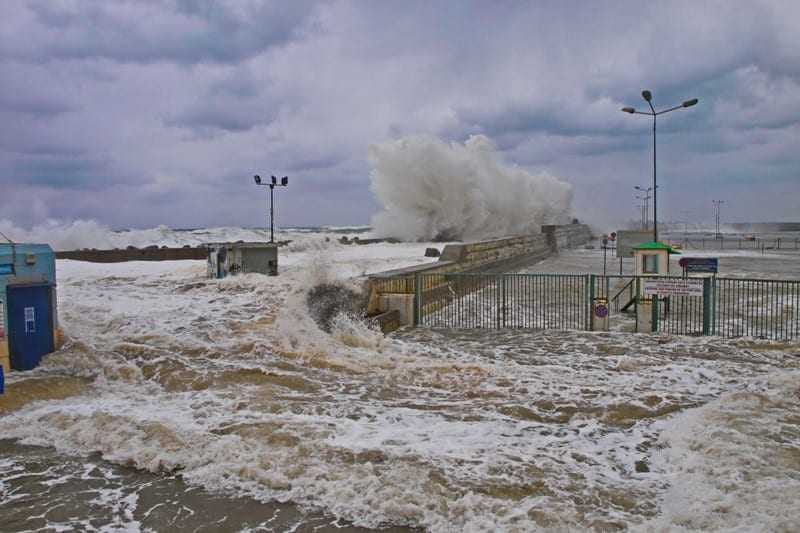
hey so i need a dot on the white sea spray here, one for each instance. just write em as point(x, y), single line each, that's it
point(431, 189)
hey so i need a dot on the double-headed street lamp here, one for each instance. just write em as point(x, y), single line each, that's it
point(648, 96)
point(646, 199)
point(642, 212)
point(283, 183)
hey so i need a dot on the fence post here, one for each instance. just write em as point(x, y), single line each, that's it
point(589, 303)
point(654, 316)
point(498, 300)
point(417, 298)
point(707, 305)
point(504, 300)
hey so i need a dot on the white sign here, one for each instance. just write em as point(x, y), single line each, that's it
point(673, 287)
point(30, 320)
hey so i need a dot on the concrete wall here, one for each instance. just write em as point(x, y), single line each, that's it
point(492, 256)
point(136, 254)
point(565, 237)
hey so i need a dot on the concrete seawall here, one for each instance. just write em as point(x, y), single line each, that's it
point(136, 254)
point(393, 290)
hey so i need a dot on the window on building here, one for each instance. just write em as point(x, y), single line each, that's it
point(650, 264)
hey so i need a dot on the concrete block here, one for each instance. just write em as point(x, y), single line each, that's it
point(402, 303)
point(58, 338)
point(5, 361)
point(644, 316)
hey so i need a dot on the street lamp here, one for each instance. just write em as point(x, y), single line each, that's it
point(646, 199)
point(717, 204)
point(642, 212)
point(648, 96)
point(274, 183)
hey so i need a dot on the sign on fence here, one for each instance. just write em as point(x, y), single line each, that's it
point(672, 287)
point(694, 265)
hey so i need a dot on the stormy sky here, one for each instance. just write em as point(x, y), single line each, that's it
point(140, 113)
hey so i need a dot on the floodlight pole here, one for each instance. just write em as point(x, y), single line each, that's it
point(271, 213)
point(648, 96)
point(274, 183)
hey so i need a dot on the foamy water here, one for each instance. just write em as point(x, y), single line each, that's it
point(229, 386)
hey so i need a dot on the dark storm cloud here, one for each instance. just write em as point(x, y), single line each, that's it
point(187, 32)
point(170, 106)
point(59, 172)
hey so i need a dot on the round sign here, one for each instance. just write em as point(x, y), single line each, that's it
point(601, 311)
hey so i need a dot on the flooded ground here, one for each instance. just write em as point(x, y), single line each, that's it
point(186, 404)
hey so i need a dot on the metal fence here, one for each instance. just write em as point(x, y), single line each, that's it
point(531, 301)
point(728, 307)
point(768, 309)
point(736, 243)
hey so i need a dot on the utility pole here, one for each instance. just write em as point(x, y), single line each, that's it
point(717, 204)
point(685, 214)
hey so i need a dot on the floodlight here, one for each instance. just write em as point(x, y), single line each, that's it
point(274, 180)
point(647, 95)
point(285, 180)
point(629, 110)
point(258, 179)
point(689, 103)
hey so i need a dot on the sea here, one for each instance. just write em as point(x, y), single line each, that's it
point(182, 403)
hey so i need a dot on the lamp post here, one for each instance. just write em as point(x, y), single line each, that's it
point(648, 96)
point(717, 204)
point(646, 199)
point(274, 183)
point(641, 213)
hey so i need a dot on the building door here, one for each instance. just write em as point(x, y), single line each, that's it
point(30, 324)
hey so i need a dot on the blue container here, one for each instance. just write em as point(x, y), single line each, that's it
point(30, 320)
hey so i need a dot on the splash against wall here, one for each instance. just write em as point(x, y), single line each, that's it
point(431, 189)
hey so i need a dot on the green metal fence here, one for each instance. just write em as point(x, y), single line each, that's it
point(531, 301)
point(768, 309)
point(727, 307)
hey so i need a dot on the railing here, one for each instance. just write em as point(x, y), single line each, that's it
point(530, 301)
point(629, 292)
point(731, 243)
point(727, 307)
point(767, 309)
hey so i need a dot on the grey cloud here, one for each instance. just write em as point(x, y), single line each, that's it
point(60, 172)
point(161, 30)
point(207, 119)
point(172, 105)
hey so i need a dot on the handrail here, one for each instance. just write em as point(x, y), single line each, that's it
point(616, 296)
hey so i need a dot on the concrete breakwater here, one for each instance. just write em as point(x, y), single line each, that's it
point(136, 254)
point(391, 293)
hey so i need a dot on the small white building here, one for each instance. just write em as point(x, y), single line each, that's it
point(231, 258)
point(652, 258)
